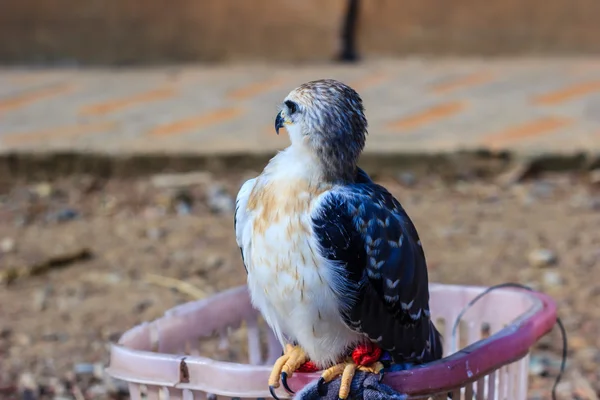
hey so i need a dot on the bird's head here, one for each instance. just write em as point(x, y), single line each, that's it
point(327, 118)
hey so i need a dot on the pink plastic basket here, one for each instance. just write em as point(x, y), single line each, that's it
point(160, 359)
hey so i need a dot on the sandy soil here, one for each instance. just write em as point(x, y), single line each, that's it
point(76, 256)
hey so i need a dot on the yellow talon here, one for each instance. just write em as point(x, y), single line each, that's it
point(331, 373)
point(293, 357)
point(347, 371)
point(374, 368)
point(346, 382)
point(276, 371)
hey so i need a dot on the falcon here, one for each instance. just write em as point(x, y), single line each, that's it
point(333, 260)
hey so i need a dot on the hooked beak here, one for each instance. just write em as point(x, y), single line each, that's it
point(278, 122)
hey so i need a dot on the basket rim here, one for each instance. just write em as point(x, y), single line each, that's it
point(467, 365)
point(478, 359)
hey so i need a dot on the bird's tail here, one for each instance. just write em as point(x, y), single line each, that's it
point(435, 338)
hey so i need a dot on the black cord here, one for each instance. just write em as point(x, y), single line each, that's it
point(561, 327)
point(348, 52)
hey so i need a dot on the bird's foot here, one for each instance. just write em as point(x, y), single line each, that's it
point(346, 370)
point(293, 358)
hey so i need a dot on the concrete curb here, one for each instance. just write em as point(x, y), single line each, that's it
point(36, 166)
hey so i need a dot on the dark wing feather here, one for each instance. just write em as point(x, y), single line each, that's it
point(240, 219)
point(235, 226)
point(364, 228)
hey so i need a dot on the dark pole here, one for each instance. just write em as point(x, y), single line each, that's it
point(348, 53)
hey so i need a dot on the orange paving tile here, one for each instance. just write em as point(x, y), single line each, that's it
point(470, 80)
point(432, 114)
point(535, 128)
point(199, 122)
point(24, 99)
point(568, 93)
point(368, 81)
point(45, 135)
point(129, 101)
point(255, 88)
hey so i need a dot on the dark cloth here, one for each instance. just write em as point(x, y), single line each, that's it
point(365, 386)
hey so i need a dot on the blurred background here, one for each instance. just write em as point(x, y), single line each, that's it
point(127, 128)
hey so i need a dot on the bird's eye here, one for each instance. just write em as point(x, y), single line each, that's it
point(293, 107)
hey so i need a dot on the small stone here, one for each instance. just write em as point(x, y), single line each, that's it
point(7, 245)
point(42, 190)
point(83, 369)
point(214, 261)
point(70, 376)
point(455, 228)
point(181, 180)
point(64, 215)
point(155, 233)
point(22, 339)
point(142, 306)
point(40, 299)
point(67, 214)
point(113, 278)
point(183, 208)
point(541, 189)
point(542, 258)
point(219, 201)
point(99, 371)
point(463, 187)
point(407, 179)
point(182, 202)
point(180, 257)
point(552, 278)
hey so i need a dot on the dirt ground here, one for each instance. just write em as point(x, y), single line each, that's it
point(78, 257)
